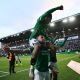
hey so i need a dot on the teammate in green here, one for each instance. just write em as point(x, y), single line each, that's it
point(42, 25)
point(39, 60)
point(41, 71)
point(53, 65)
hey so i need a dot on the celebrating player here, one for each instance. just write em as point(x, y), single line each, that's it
point(42, 24)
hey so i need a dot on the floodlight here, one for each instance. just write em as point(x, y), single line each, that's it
point(65, 21)
point(20, 40)
point(72, 18)
point(2, 39)
point(69, 29)
point(56, 32)
point(14, 34)
point(11, 35)
point(18, 34)
point(52, 24)
point(23, 45)
point(76, 28)
point(63, 31)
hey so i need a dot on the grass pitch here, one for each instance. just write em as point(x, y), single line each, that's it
point(22, 71)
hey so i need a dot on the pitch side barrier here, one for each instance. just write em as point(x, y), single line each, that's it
point(71, 52)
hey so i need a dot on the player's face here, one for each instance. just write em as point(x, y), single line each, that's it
point(48, 19)
point(41, 38)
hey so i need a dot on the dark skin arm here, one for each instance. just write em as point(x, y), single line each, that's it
point(51, 47)
point(34, 55)
point(35, 51)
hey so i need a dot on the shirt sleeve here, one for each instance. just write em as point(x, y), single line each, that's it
point(41, 18)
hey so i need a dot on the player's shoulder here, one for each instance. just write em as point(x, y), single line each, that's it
point(39, 19)
point(34, 42)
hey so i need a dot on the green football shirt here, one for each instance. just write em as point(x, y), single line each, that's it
point(42, 59)
point(41, 27)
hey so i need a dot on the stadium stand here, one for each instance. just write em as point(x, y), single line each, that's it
point(71, 45)
point(2, 53)
point(63, 27)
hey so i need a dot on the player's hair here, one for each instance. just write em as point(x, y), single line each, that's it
point(39, 35)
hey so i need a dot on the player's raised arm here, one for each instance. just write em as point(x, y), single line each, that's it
point(62, 43)
point(49, 12)
point(33, 61)
point(35, 51)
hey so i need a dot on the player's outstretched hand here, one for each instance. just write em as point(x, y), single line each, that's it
point(60, 7)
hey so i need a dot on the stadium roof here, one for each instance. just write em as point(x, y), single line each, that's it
point(22, 36)
point(70, 24)
point(65, 24)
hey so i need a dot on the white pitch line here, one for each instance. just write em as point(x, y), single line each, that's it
point(4, 75)
point(66, 59)
point(4, 72)
point(16, 72)
point(22, 70)
point(28, 69)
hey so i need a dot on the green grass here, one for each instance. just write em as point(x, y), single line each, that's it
point(65, 73)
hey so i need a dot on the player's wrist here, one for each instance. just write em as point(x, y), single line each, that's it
point(31, 67)
point(60, 7)
point(31, 72)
